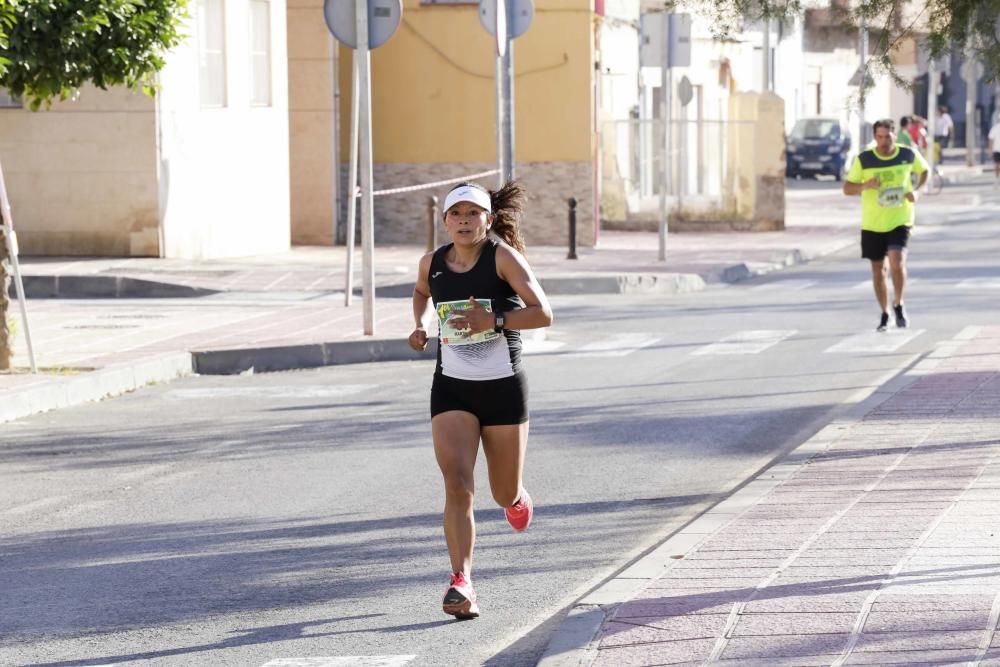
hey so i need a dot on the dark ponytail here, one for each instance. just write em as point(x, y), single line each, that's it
point(508, 205)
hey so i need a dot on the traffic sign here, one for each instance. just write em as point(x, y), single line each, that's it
point(383, 20)
point(685, 91)
point(519, 15)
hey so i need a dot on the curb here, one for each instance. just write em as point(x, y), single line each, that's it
point(622, 283)
point(746, 270)
point(93, 386)
point(573, 644)
point(313, 355)
point(104, 287)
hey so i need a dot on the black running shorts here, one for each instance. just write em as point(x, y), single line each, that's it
point(493, 402)
point(875, 245)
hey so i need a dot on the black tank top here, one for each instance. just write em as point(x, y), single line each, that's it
point(496, 356)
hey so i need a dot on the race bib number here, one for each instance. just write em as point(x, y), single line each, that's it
point(891, 197)
point(452, 336)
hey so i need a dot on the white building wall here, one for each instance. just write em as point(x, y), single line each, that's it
point(223, 172)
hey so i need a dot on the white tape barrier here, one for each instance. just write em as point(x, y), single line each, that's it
point(427, 186)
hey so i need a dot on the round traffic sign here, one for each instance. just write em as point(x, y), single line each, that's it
point(383, 20)
point(685, 91)
point(519, 15)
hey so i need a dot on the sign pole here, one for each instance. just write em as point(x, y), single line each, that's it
point(508, 116)
point(352, 182)
point(665, 83)
point(8, 230)
point(367, 199)
point(931, 111)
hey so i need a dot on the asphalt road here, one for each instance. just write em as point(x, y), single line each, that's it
point(267, 519)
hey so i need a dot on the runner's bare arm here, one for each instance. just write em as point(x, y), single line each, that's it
point(421, 304)
point(858, 188)
point(514, 269)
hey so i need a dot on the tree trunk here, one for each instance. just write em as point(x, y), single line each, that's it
point(5, 340)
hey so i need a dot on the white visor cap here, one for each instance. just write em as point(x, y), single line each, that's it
point(470, 194)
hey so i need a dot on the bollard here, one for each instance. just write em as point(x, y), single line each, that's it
point(432, 214)
point(572, 228)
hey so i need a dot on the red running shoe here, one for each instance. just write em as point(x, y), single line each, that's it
point(460, 598)
point(519, 514)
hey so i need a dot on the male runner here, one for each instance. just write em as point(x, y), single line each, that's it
point(883, 177)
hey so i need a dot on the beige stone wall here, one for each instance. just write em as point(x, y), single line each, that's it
point(310, 123)
point(82, 175)
point(402, 218)
point(757, 159)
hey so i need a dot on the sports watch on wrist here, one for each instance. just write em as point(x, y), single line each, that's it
point(498, 323)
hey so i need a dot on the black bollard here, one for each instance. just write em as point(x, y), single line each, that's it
point(432, 214)
point(572, 228)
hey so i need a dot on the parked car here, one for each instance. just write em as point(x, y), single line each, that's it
point(817, 146)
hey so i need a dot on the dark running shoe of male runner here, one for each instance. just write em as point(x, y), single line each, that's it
point(883, 177)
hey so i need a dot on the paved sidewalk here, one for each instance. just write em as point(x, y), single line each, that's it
point(875, 542)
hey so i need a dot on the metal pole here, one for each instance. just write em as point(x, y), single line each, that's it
point(971, 93)
point(352, 181)
point(862, 91)
point(766, 52)
point(508, 116)
point(572, 228)
point(432, 214)
point(365, 154)
point(335, 140)
point(8, 229)
point(931, 111)
point(665, 116)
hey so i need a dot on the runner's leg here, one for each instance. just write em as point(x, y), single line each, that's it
point(505, 447)
point(878, 282)
point(897, 266)
point(456, 444)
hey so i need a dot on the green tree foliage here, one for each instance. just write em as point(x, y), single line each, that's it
point(52, 47)
point(941, 26)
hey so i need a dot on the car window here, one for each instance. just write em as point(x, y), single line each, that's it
point(815, 128)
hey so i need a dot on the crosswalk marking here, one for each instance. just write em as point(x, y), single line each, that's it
point(616, 346)
point(867, 284)
point(783, 286)
point(540, 345)
point(875, 341)
point(978, 283)
point(344, 661)
point(747, 342)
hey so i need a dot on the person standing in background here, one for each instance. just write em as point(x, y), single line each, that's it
point(944, 127)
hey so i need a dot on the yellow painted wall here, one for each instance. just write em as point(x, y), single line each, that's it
point(434, 92)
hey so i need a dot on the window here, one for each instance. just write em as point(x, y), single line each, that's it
point(260, 53)
point(212, 53)
point(8, 101)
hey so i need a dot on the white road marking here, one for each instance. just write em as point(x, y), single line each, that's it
point(289, 391)
point(978, 283)
point(867, 284)
point(784, 286)
point(616, 346)
point(344, 661)
point(536, 346)
point(34, 505)
point(875, 341)
point(747, 342)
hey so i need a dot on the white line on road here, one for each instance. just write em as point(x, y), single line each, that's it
point(747, 342)
point(290, 391)
point(867, 284)
point(344, 661)
point(783, 285)
point(875, 341)
point(978, 283)
point(616, 346)
point(34, 505)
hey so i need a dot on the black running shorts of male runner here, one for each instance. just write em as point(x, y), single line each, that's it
point(996, 157)
point(875, 245)
point(493, 402)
